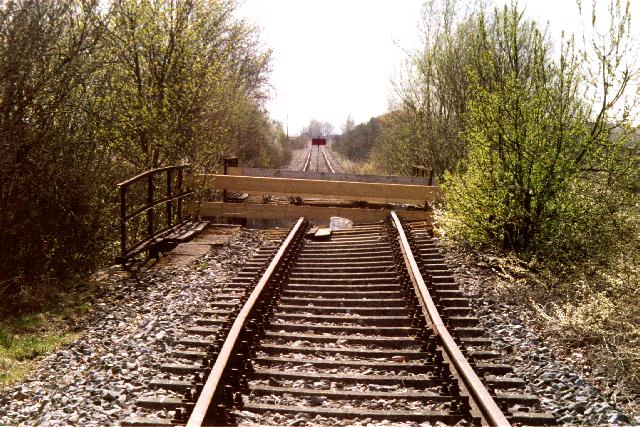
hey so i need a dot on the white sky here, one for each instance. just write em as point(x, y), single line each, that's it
point(334, 58)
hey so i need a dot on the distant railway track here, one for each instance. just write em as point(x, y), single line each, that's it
point(326, 163)
point(307, 162)
point(369, 324)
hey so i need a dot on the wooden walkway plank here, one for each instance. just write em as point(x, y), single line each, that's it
point(311, 213)
point(342, 190)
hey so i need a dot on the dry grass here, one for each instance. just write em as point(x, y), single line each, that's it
point(588, 311)
point(349, 166)
point(596, 310)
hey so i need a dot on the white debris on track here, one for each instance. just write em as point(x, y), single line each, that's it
point(97, 379)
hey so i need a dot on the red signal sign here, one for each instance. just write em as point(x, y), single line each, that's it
point(319, 141)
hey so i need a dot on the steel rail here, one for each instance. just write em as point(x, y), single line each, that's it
point(326, 159)
point(308, 161)
point(214, 380)
point(491, 413)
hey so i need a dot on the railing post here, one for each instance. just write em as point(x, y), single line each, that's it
point(180, 193)
point(169, 204)
point(150, 205)
point(229, 162)
point(123, 221)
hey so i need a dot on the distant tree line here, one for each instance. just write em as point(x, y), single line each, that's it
point(356, 142)
point(92, 92)
point(317, 129)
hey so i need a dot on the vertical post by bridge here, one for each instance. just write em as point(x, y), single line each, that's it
point(229, 162)
point(150, 205)
point(180, 193)
point(123, 221)
point(169, 204)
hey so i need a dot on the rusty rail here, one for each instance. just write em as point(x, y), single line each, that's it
point(482, 400)
point(215, 379)
point(272, 301)
point(171, 195)
point(307, 162)
point(326, 159)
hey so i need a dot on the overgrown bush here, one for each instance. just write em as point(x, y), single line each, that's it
point(94, 92)
point(55, 172)
point(544, 174)
point(430, 99)
point(357, 141)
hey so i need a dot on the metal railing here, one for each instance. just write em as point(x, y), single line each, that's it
point(423, 172)
point(170, 220)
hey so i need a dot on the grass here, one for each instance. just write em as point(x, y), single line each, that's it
point(201, 264)
point(25, 338)
point(350, 166)
point(596, 311)
point(589, 311)
point(42, 328)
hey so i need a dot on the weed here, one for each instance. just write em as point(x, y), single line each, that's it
point(17, 351)
point(26, 337)
point(27, 322)
point(6, 339)
point(201, 264)
point(84, 308)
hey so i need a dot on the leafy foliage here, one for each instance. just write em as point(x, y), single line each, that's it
point(425, 118)
point(53, 217)
point(542, 175)
point(93, 92)
point(356, 142)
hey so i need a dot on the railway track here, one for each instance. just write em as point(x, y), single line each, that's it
point(323, 163)
point(366, 326)
point(326, 161)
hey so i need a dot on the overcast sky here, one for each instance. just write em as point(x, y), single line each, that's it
point(335, 58)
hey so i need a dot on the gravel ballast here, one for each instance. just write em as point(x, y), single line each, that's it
point(562, 390)
point(97, 379)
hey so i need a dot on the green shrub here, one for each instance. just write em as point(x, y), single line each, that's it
point(542, 175)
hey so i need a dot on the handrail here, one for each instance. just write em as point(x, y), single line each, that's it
point(151, 171)
point(214, 380)
point(150, 203)
point(422, 171)
point(491, 413)
point(157, 202)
